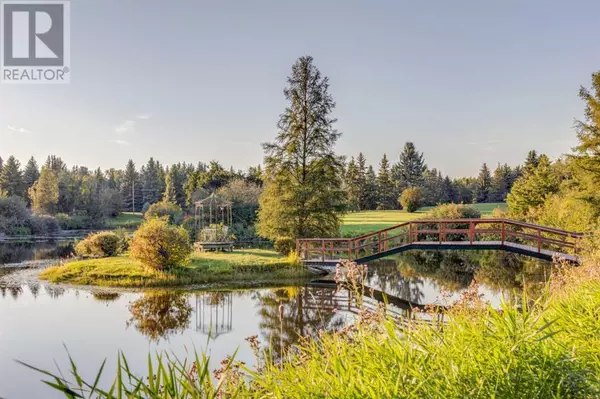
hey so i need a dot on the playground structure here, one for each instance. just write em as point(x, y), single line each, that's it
point(213, 219)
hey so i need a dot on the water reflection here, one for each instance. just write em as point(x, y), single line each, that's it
point(22, 251)
point(406, 275)
point(174, 320)
point(287, 314)
point(214, 313)
point(160, 314)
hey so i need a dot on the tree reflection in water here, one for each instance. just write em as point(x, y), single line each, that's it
point(288, 314)
point(403, 275)
point(160, 314)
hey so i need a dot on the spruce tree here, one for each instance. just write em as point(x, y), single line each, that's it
point(352, 185)
point(502, 182)
point(370, 194)
point(483, 185)
point(11, 178)
point(31, 172)
point(131, 189)
point(303, 194)
point(532, 161)
point(409, 170)
point(152, 175)
point(361, 165)
point(170, 194)
point(387, 198)
point(530, 191)
point(449, 194)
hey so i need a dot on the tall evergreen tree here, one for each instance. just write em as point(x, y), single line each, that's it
point(131, 188)
point(361, 168)
point(409, 170)
point(152, 176)
point(352, 185)
point(531, 190)
point(432, 184)
point(55, 164)
point(31, 172)
point(303, 194)
point(370, 194)
point(386, 191)
point(1, 164)
point(502, 182)
point(44, 193)
point(11, 178)
point(170, 194)
point(532, 161)
point(483, 185)
point(449, 194)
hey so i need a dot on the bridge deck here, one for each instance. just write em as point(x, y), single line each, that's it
point(478, 245)
point(503, 234)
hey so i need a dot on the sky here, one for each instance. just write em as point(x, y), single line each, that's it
point(467, 81)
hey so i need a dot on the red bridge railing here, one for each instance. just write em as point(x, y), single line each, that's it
point(467, 232)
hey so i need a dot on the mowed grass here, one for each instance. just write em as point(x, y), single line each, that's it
point(249, 265)
point(357, 223)
point(126, 220)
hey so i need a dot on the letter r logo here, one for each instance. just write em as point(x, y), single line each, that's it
point(33, 34)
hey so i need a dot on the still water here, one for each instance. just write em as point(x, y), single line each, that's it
point(38, 320)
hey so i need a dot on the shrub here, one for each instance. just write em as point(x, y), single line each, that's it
point(410, 199)
point(43, 224)
point(285, 245)
point(565, 212)
point(124, 239)
point(160, 246)
point(453, 211)
point(165, 208)
point(78, 222)
point(99, 245)
point(14, 215)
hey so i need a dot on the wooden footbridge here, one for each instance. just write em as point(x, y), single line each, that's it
point(504, 234)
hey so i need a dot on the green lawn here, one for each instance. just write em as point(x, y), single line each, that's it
point(357, 223)
point(249, 265)
point(126, 220)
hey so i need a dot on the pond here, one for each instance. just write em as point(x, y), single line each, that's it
point(37, 319)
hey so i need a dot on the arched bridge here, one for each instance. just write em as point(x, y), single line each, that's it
point(505, 234)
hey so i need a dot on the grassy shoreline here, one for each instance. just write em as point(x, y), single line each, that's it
point(240, 266)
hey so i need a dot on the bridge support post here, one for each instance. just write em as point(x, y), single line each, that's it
point(323, 250)
point(471, 232)
point(503, 234)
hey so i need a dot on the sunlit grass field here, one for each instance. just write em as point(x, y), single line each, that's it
point(126, 220)
point(356, 223)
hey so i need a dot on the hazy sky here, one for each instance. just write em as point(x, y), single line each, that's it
point(467, 81)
